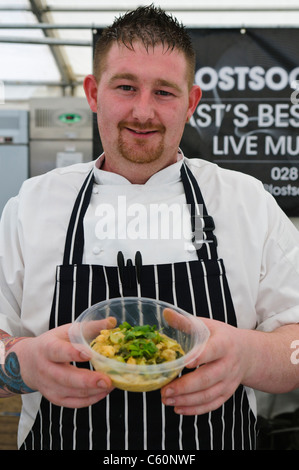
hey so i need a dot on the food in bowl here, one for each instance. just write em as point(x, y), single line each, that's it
point(179, 326)
point(142, 345)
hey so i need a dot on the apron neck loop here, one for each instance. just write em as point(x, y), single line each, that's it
point(204, 240)
point(74, 244)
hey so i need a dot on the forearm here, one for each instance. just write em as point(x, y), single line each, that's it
point(11, 381)
point(271, 364)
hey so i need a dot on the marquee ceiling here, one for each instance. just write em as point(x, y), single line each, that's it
point(46, 45)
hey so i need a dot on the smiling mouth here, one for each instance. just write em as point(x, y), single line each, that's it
point(141, 133)
point(139, 130)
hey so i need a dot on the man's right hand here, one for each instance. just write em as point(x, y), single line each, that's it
point(45, 366)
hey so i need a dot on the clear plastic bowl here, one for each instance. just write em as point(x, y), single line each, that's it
point(190, 332)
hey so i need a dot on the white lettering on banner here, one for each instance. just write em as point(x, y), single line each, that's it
point(214, 113)
point(248, 145)
point(267, 115)
point(283, 145)
point(284, 173)
point(285, 191)
point(231, 144)
point(241, 78)
point(278, 115)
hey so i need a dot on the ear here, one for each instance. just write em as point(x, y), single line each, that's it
point(91, 91)
point(194, 98)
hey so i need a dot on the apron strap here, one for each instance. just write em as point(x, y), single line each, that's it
point(74, 244)
point(204, 240)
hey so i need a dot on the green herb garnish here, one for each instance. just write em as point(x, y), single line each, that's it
point(140, 341)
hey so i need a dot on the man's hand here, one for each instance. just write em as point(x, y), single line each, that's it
point(45, 364)
point(220, 371)
point(232, 357)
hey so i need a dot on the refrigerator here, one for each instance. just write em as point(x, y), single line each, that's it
point(14, 152)
point(60, 133)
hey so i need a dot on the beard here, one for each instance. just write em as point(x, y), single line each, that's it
point(140, 150)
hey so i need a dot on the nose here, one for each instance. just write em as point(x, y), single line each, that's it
point(143, 109)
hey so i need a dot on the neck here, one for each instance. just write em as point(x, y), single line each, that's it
point(136, 173)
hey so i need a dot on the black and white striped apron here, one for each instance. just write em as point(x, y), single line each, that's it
point(128, 420)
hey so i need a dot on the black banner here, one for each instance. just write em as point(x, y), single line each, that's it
point(248, 118)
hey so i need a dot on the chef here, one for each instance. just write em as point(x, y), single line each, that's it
point(64, 245)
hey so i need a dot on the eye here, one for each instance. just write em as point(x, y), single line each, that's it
point(164, 93)
point(126, 87)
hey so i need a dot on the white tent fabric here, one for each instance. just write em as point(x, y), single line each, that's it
point(30, 69)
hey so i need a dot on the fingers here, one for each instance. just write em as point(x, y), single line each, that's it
point(197, 403)
point(189, 325)
point(69, 376)
point(200, 391)
point(178, 321)
point(55, 344)
point(61, 352)
point(219, 344)
point(75, 402)
point(72, 399)
point(88, 330)
point(91, 329)
point(67, 385)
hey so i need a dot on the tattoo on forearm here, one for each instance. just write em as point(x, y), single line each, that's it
point(10, 374)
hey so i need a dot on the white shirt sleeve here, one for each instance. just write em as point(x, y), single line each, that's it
point(278, 296)
point(11, 270)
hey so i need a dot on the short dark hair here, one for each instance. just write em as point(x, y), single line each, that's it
point(151, 26)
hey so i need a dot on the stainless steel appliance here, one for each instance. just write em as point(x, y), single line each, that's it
point(14, 152)
point(60, 133)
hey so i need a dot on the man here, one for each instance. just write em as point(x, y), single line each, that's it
point(242, 279)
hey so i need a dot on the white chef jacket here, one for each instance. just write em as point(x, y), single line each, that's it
point(258, 243)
